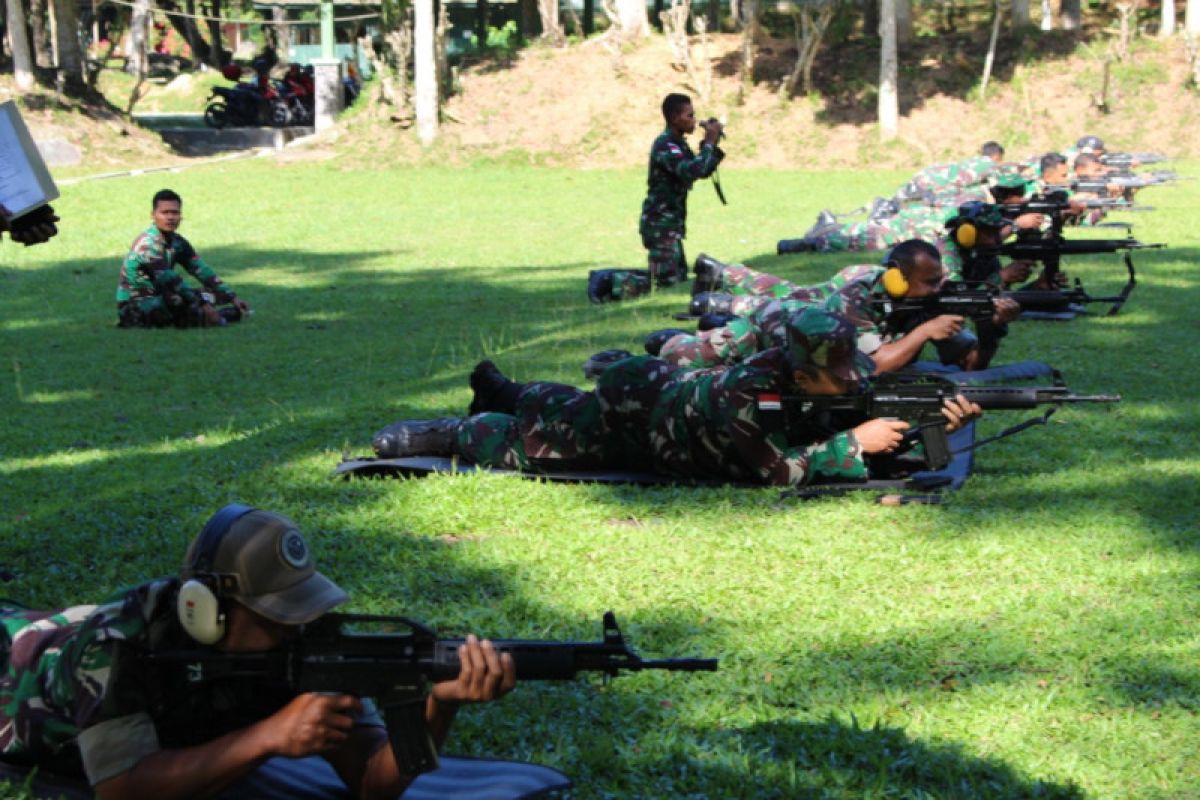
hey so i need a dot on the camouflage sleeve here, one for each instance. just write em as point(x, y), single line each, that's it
point(674, 160)
point(838, 457)
point(202, 272)
point(148, 259)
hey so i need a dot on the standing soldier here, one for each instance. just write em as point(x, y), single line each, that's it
point(674, 167)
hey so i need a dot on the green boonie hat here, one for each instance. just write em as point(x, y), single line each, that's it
point(820, 338)
point(1009, 180)
point(264, 563)
point(978, 213)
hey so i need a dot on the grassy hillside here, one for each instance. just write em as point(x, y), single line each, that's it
point(1034, 637)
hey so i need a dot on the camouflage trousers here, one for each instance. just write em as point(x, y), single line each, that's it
point(155, 312)
point(859, 236)
point(664, 255)
point(28, 724)
point(558, 427)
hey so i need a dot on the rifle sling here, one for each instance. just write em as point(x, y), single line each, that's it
point(1010, 431)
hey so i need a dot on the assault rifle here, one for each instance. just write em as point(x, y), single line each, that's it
point(395, 668)
point(977, 302)
point(1126, 181)
point(1127, 160)
point(1049, 247)
point(919, 402)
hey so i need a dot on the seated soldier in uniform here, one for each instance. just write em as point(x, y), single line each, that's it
point(151, 294)
point(646, 415)
point(78, 696)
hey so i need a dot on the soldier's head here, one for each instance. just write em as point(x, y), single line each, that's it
point(166, 211)
point(977, 225)
point(249, 581)
point(1054, 169)
point(678, 112)
point(1007, 188)
point(1090, 144)
point(1088, 166)
point(823, 351)
point(992, 150)
point(914, 269)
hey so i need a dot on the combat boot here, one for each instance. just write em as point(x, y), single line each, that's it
point(655, 341)
point(804, 245)
point(600, 284)
point(708, 274)
point(709, 302)
point(825, 219)
point(714, 320)
point(418, 437)
point(492, 390)
point(601, 361)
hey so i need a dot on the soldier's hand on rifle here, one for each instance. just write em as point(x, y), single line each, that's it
point(311, 723)
point(942, 327)
point(880, 435)
point(1005, 310)
point(1016, 272)
point(713, 129)
point(959, 411)
point(1029, 222)
point(1059, 281)
point(484, 675)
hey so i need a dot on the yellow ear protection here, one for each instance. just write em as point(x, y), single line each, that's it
point(894, 282)
point(965, 234)
point(199, 603)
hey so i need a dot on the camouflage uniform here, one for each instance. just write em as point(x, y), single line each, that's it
point(916, 222)
point(763, 322)
point(957, 175)
point(645, 414)
point(75, 692)
point(152, 294)
point(673, 168)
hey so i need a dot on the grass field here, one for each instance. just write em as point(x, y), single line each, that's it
point(1033, 637)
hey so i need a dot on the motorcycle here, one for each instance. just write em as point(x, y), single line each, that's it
point(244, 104)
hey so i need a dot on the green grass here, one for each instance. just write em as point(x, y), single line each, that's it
point(1033, 637)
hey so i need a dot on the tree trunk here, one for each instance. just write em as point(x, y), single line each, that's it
point(481, 22)
point(749, 31)
point(186, 27)
point(70, 59)
point(991, 52)
point(889, 104)
point(1192, 19)
point(215, 54)
point(425, 90)
point(40, 33)
point(1020, 14)
point(139, 36)
point(904, 22)
point(870, 18)
point(1167, 25)
point(713, 12)
point(634, 23)
point(22, 59)
point(283, 33)
point(1047, 16)
point(1072, 15)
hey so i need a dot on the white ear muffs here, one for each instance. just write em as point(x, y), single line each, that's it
point(200, 612)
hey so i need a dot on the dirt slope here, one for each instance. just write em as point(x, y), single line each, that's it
point(582, 106)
